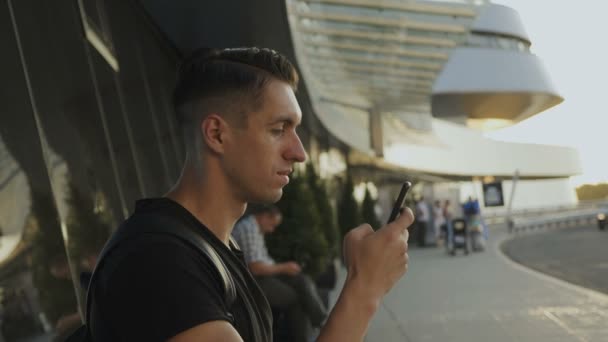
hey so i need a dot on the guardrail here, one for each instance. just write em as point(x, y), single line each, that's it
point(548, 213)
point(563, 220)
point(570, 207)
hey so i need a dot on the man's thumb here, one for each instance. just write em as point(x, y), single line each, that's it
point(405, 220)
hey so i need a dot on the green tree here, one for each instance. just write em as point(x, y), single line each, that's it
point(368, 210)
point(348, 208)
point(300, 236)
point(326, 211)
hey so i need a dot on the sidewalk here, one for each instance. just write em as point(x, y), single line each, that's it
point(486, 297)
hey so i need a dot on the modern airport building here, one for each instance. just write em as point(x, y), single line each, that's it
point(390, 90)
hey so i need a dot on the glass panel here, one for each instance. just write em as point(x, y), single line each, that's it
point(161, 79)
point(96, 19)
point(78, 145)
point(369, 12)
point(113, 120)
point(37, 297)
point(146, 79)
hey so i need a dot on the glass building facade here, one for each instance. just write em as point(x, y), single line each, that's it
point(85, 129)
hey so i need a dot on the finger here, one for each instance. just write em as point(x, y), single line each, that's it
point(402, 263)
point(405, 234)
point(404, 221)
point(360, 232)
point(402, 247)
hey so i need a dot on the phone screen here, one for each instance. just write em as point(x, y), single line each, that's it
point(399, 202)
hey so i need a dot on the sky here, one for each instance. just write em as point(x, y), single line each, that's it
point(571, 38)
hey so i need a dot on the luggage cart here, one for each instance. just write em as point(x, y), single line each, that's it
point(459, 236)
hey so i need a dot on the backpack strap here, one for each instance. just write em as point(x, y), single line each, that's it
point(157, 224)
point(234, 243)
point(160, 224)
point(254, 320)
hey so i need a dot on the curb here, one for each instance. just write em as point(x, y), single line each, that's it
point(595, 295)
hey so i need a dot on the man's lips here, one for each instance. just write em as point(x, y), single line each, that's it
point(285, 175)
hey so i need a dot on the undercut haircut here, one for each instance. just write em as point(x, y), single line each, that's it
point(229, 82)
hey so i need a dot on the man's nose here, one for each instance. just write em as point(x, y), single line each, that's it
point(296, 151)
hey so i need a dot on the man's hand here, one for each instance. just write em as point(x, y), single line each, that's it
point(291, 268)
point(377, 260)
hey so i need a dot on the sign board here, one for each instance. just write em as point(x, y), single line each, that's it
point(492, 194)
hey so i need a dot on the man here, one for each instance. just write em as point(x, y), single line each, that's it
point(238, 114)
point(423, 217)
point(475, 225)
point(449, 230)
point(284, 285)
point(438, 222)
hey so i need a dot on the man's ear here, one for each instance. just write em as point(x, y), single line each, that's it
point(213, 130)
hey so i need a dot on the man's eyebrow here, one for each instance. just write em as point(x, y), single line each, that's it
point(284, 119)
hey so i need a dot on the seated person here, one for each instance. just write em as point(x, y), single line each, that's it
point(285, 286)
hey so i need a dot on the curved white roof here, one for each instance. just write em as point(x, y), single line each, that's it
point(456, 150)
point(449, 149)
point(390, 58)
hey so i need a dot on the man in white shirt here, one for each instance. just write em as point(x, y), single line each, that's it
point(423, 216)
point(438, 221)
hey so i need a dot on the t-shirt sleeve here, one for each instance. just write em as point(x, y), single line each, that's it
point(160, 288)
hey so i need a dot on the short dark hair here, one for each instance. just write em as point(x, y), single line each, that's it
point(226, 73)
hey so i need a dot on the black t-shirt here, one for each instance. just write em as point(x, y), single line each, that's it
point(160, 286)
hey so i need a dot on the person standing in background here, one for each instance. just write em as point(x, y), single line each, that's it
point(448, 229)
point(438, 222)
point(423, 216)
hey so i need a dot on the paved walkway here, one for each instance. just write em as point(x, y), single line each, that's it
point(486, 297)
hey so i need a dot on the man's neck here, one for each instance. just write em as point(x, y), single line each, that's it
point(209, 200)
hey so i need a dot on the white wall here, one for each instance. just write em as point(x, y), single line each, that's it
point(529, 194)
point(455, 150)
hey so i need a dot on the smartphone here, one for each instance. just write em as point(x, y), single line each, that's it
point(399, 202)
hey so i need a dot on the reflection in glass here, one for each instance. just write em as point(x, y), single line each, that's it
point(79, 143)
point(36, 292)
point(50, 269)
point(88, 227)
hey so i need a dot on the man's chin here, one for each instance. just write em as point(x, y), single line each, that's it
point(268, 198)
point(277, 196)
